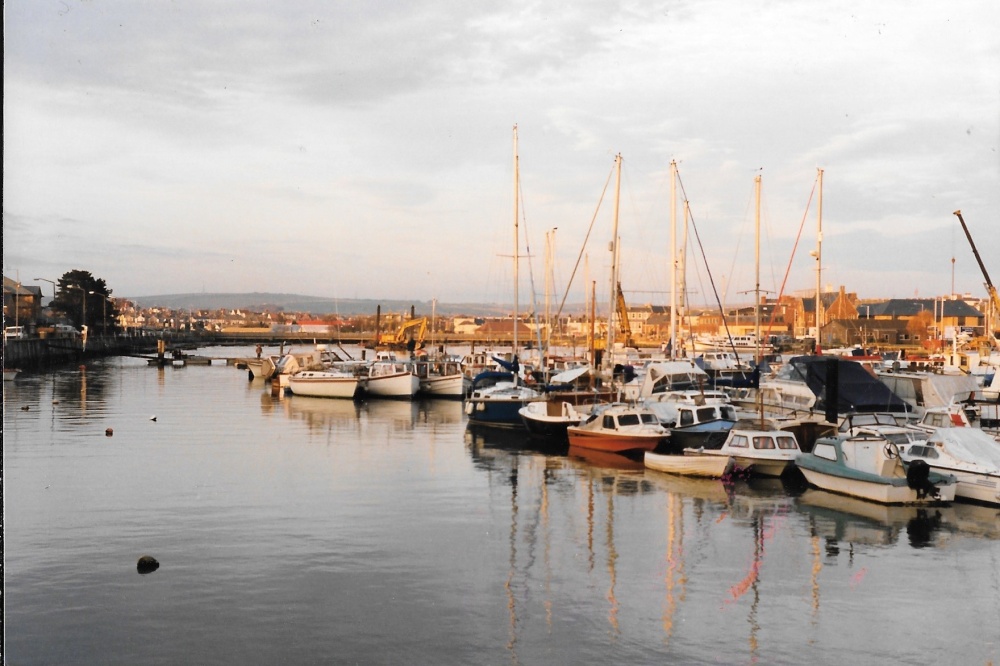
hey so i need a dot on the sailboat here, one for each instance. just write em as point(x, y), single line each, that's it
point(498, 404)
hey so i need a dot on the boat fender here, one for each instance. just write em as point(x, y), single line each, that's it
point(918, 478)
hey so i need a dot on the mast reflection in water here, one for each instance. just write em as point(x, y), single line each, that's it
point(301, 530)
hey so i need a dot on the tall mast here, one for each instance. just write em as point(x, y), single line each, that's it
point(819, 259)
point(614, 263)
point(756, 305)
point(516, 244)
point(673, 259)
point(550, 242)
point(682, 292)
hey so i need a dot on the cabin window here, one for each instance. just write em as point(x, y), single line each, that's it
point(763, 443)
point(739, 441)
point(728, 413)
point(628, 419)
point(825, 451)
point(609, 423)
point(650, 418)
point(707, 414)
point(923, 451)
point(687, 418)
point(787, 443)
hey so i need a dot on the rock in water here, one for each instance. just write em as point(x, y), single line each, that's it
point(147, 564)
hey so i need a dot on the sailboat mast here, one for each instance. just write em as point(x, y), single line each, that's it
point(516, 244)
point(673, 259)
point(756, 305)
point(819, 259)
point(614, 263)
point(682, 291)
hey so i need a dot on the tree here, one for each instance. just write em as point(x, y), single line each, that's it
point(919, 324)
point(86, 301)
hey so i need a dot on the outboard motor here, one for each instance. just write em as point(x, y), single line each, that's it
point(918, 475)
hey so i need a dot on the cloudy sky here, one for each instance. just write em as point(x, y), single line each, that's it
point(364, 150)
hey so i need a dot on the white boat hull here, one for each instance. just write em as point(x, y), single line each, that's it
point(402, 385)
point(323, 385)
point(689, 464)
point(883, 493)
point(976, 487)
point(448, 386)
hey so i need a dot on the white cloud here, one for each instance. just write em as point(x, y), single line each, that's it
point(367, 146)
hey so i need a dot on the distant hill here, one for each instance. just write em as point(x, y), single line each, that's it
point(317, 305)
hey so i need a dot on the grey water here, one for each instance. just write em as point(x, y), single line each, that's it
point(309, 531)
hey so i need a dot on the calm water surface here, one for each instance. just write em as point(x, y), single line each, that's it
point(302, 530)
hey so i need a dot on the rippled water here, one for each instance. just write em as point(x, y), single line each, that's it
point(303, 530)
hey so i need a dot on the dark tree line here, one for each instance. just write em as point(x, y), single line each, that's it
point(86, 301)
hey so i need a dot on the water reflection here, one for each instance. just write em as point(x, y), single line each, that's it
point(839, 519)
point(320, 413)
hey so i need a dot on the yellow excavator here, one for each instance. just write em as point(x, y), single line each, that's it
point(624, 326)
point(412, 329)
point(989, 283)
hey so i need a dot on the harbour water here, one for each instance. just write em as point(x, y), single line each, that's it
point(302, 530)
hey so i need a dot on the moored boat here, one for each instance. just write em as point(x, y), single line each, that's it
point(760, 452)
point(969, 454)
point(389, 378)
point(550, 418)
point(499, 404)
point(441, 378)
point(618, 428)
point(325, 384)
point(871, 468)
point(688, 463)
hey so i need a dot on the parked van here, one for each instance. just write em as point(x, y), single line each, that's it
point(14, 333)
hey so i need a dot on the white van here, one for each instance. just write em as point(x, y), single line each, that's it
point(14, 333)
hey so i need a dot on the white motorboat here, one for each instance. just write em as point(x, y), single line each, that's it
point(441, 378)
point(760, 452)
point(969, 454)
point(871, 468)
point(325, 384)
point(388, 378)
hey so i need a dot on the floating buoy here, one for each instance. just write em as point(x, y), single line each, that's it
point(26, 408)
point(152, 418)
point(55, 402)
point(147, 564)
point(109, 432)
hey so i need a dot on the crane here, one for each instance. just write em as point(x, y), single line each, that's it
point(623, 323)
point(994, 297)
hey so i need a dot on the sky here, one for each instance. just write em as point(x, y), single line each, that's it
point(365, 150)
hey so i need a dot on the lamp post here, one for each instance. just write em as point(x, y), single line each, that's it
point(52, 282)
point(84, 291)
point(104, 312)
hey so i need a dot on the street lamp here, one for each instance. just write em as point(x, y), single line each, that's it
point(52, 282)
point(104, 311)
point(76, 286)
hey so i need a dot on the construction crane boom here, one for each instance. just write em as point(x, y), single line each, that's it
point(623, 323)
point(994, 297)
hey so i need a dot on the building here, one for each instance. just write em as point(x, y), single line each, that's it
point(22, 304)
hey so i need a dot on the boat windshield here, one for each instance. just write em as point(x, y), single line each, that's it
point(628, 419)
point(649, 417)
point(898, 437)
point(787, 443)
